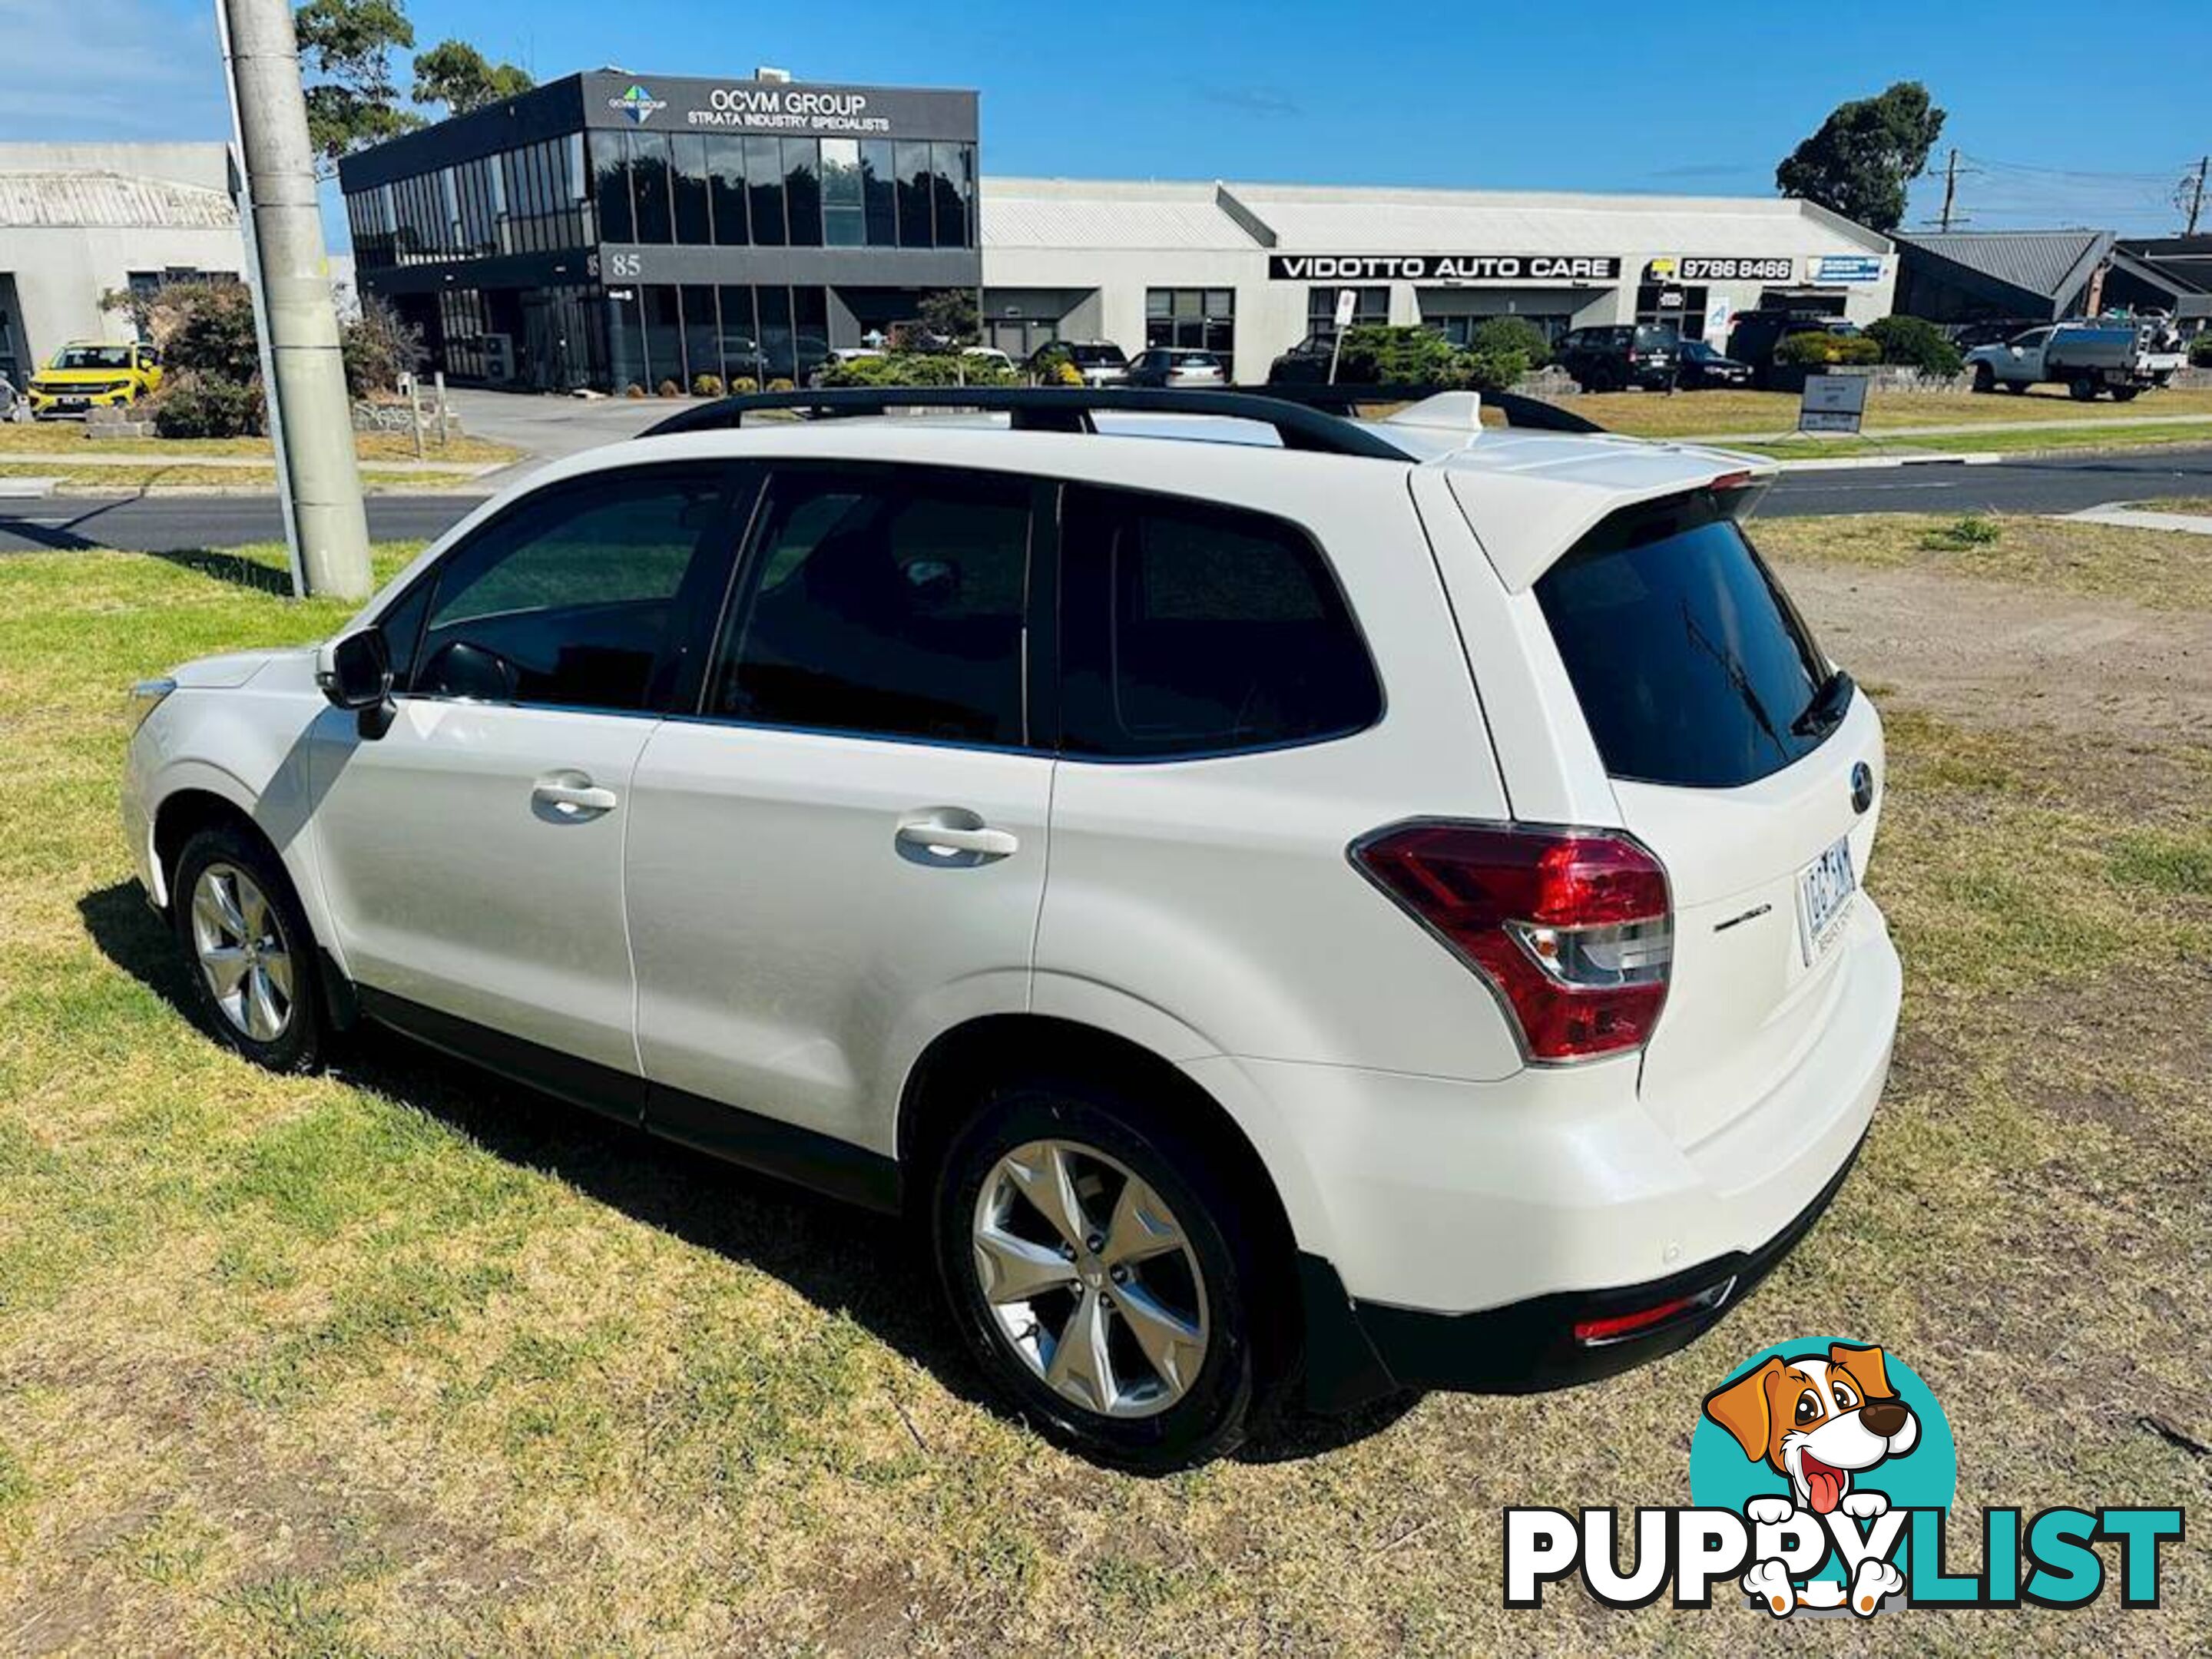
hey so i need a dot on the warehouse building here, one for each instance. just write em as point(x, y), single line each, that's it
point(613, 230)
point(1249, 270)
point(79, 223)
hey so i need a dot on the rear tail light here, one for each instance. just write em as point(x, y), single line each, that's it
point(1571, 927)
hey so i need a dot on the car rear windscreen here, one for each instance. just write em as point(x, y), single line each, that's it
point(1692, 666)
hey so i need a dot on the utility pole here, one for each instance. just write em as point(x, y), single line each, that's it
point(2194, 185)
point(1950, 189)
point(310, 418)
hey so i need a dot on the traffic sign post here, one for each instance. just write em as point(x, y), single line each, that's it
point(1347, 303)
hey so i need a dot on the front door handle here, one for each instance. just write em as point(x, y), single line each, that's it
point(571, 795)
point(954, 837)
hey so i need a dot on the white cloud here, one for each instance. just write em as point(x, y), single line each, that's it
point(109, 68)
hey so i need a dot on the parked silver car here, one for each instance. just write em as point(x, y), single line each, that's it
point(1167, 366)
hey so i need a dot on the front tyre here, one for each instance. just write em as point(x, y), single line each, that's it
point(1083, 1247)
point(247, 949)
point(1985, 378)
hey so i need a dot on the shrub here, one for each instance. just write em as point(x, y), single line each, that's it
point(668, 389)
point(197, 405)
point(1496, 336)
point(1975, 530)
point(1398, 354)
point(780, 383)
point(207, 328)
point(2200, 350)
point(633, 389)
point(1918, 344)
point(706, 386)
point(949, 313)
point(1062, 371)
point(1827, 351)
point(741, 383)
point(378, 346)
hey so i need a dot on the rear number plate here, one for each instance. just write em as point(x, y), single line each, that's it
point(1825, 888)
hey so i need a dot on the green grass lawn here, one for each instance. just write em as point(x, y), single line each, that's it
point(2053, 436)
point(1654, 415)
point(402, 1360)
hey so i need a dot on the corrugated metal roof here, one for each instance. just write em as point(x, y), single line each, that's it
point(1412, 222)
point(109, 201)
point(2043, 262)
point(1066, 219)
point(1075, 213)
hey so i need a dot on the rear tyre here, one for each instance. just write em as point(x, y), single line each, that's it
point(247, 949)
point(1985, 378)
point(1094, 1267)
point(2083, 389)
point(2125, 394)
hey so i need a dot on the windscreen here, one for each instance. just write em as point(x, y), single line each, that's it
point(93, 357)
point(1692, 666)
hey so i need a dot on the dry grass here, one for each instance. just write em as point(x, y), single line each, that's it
point(68, 437)
point(400, 1359)
point(2197, 504)
point(2164, 569)
point(169, 475)
point(1654, 415)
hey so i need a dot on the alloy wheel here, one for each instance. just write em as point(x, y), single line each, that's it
point(1090, 1278)
point(242, 953)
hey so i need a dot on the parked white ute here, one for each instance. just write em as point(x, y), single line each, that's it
point(1374, 907)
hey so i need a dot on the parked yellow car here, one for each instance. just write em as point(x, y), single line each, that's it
point(87, 374)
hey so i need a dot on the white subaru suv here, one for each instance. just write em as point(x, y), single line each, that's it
point(1370, 908)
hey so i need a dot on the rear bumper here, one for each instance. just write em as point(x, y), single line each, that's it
point(1358, 1351)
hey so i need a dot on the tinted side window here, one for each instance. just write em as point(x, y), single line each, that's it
point(886, 602)
point(1189, 630)
point(1691, 665)
point(571, 599)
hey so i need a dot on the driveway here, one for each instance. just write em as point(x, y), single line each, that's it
point(547, 427)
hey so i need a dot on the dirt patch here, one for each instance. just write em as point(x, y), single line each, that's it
point(1994, 655)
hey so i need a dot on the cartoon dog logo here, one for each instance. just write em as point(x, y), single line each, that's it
point(1821, 1421)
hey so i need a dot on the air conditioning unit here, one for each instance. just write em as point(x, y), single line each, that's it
point(499, 356)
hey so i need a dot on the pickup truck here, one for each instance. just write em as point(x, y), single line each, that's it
point(2123, 358)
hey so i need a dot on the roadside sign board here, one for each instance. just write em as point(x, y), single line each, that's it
point(1347, 302)
point(1832, 402)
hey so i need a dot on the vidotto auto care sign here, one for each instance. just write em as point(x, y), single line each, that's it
point(1443, 268)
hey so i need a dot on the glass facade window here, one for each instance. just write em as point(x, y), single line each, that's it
point(879, 191)
point(844, 220)
point(917, 192)
point(650, 197)
point(738, 344)
point(693, 224)
point(702, 351)
point(664, 335)
point(954, 191)
point(764, 190)
point(610, 171)
point(1196, 318)
point(802, 191)
point(1373, 306)
point(1682, 309)
point(726, 190)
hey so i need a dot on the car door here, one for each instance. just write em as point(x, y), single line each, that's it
point(471, 852)
point(844, 850)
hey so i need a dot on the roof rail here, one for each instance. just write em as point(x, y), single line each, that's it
point(1056, 408)
point(1531, 414)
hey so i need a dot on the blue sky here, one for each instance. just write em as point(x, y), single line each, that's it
point(1701, 99)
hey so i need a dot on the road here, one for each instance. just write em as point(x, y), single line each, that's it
point(162, 524)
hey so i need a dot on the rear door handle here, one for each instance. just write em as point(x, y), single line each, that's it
point(943, 837)
point(573, 795)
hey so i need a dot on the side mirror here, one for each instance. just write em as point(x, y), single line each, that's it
point(355, 671)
